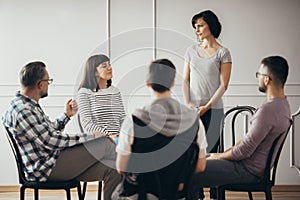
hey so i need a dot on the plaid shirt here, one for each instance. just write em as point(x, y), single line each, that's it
point(40, 140)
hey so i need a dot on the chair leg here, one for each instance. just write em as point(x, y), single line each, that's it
point(250, 195)
point(83, 190)
point(36, 194)
point(22, 193)
point(80, 197)
point(99, 190)
point(268, 194)
point(221, 194)
point(68, 192)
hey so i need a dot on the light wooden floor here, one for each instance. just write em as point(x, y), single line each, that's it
point(11, 193)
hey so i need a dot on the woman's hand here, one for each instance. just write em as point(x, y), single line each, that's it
point(202, 110)
point(190, 105)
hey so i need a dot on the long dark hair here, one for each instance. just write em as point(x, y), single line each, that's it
point(89, 77)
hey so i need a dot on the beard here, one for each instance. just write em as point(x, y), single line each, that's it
point(44, 94)
point(262, 88)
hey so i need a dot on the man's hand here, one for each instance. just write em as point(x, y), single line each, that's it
point(213, 156)
point(227, 155)
point(71, 108)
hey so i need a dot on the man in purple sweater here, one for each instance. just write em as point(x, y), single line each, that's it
point(245, 162)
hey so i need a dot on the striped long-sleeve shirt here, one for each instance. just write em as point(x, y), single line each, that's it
point(39, 139)
point(101, 111)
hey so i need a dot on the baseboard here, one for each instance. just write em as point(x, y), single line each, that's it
point(15, 188)
point(94, 187)
point(286, 188)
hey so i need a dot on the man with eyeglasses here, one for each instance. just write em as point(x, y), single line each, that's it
point(47, 152)
point(246, 161)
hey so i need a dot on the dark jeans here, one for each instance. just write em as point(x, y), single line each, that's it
point(211, 121)
point(221, 172)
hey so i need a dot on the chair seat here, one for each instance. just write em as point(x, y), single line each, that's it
point(51, 184)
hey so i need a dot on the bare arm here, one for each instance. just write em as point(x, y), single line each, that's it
point(226, 155)
point(121, 163)
point(186, 84)
point(201, 165)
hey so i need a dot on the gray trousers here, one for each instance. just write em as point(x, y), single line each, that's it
point(221, 172)
point(90, 161)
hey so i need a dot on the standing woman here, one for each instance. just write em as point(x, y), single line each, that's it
point(206, 76)
point(100, 105)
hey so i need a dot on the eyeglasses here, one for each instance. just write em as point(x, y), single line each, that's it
point(50, 80)
point(257, 74)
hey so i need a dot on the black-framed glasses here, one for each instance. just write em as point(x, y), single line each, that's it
point(50, 80)
point(257, 74)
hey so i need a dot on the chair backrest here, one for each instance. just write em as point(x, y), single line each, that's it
point(235, 111)
point(164, 181)
point(270, 170)
point(273, 157)
point(17, 155)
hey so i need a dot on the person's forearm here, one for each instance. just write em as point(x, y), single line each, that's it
point(227, 155)
point(121, 163)
point(216, 97)
point(201, 165)
point(186, 91)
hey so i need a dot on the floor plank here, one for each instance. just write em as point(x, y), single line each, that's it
point(11, 193)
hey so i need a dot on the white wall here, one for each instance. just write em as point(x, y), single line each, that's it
point(64, 33)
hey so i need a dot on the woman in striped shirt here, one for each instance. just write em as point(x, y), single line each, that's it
point(100, 103)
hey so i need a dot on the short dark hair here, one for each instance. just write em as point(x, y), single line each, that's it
point(89, 77)
point(211, 19)
point(32, 73)
point(161, 75)
point(278, 68)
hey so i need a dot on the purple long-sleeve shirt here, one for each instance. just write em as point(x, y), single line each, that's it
point(269, 121)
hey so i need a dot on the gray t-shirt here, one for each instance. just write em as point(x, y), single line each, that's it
point(205, 74)
point(269, 121)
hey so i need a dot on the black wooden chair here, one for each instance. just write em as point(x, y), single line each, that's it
point(169, 182)
point(85, 183)
point(266, 183)
point(48, 185)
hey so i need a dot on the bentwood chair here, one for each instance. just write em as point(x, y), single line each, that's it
point(36, 185)
point(268, 180)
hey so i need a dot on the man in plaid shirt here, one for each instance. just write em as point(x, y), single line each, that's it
point(48, 153)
